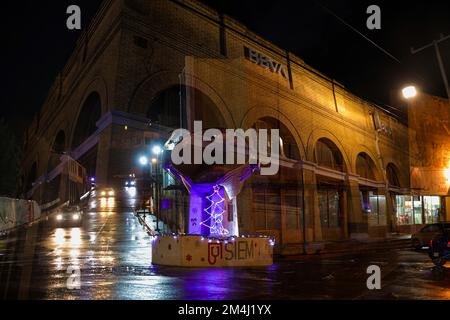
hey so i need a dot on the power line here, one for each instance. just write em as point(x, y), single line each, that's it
point(435, 44)
point(359, 33)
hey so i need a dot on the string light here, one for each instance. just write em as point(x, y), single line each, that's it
point(215, 214)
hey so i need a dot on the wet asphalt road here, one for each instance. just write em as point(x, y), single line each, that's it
point(113, 254)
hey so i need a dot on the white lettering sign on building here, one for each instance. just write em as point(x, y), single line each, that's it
point(265, 62)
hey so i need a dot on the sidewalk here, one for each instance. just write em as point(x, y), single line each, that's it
point(347, 247)
point(315, 249)
point(148, 221)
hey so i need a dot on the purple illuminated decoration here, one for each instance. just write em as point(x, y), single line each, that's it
point(166, 204)
point(213, 208)
point(215, 213)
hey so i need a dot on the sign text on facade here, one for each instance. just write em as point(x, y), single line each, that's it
point(264, 62)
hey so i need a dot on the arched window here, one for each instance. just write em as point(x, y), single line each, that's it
point(392, 175)
point(87, 120)
point(169, 109)
point(365, 167)
point(32, 176)
point(57, 150)
point(165, 108)
point(288, 145)
point(59, 144)
point(328, 155)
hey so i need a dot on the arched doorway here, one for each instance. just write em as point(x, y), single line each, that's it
point(330, 190)
point(86, 126)
point(278, 200)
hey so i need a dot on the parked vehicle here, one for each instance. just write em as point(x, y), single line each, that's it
point(423, 237)
point(440, 249)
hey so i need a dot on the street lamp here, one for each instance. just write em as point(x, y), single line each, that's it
point(143, 161)
point(447, 175)
point(409, 92)
point(157, 150)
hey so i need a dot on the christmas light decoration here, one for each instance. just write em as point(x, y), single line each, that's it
point(215, 213)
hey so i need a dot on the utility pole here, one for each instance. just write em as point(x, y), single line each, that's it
point(435, 44)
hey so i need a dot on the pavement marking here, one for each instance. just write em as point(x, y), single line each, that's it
point(101, 230)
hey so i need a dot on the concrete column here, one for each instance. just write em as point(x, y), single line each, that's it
point(345, 220)
point(390, 211)
point(103, 155)
point(446, 209)
point(313, 226)
point(358, 226)
point(246, 214)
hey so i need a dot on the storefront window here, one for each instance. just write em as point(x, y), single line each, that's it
point(267, 206)
point(404, 210)
point(417, 210)
point(432, 206)
point(374, 205)
point(293, 208)
point(329, 208)
point(414, 209)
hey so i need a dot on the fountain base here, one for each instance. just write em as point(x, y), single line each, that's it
point(202, 252)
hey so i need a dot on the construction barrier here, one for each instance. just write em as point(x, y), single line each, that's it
point(15, 213)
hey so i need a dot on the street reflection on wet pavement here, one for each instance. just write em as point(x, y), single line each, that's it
point(113, 253)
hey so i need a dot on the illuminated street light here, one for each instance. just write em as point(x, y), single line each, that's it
point(154, 161)
point(143, 161)
point(447, 174)
point(409, 92)
point(157, 150)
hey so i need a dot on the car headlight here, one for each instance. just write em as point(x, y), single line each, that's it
point(111, 193)
point(76, 217)
point(103, 193)
point(133, 183)
point(59, 217)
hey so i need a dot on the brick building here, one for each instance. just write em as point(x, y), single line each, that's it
point(429, 131)
point(144, 67)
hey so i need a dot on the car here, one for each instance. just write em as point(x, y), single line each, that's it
point(423, 237)
point(68, 217)
point(130, 183)
point(107, 193)
point(439, 249)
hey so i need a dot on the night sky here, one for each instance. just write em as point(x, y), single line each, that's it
point(36, 44)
